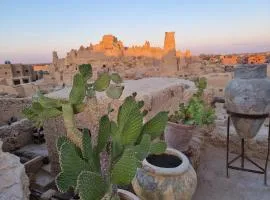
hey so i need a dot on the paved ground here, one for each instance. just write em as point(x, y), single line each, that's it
point(213, 184)
point(141, 86)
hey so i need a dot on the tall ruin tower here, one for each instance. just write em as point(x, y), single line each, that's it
point(55, 57)
point(169, 42)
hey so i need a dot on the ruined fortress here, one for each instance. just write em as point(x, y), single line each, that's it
point(130, 62)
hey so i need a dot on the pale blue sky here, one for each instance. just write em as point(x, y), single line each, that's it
point(31, 29)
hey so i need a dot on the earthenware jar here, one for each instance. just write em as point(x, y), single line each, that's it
point(168, 176)
point(248, 94)
point(178, 136)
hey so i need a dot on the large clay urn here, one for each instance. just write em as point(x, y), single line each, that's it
point(168, 176)
point(248, 94)
point(178, 136)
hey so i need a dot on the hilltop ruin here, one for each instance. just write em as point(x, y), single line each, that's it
point(111, 54)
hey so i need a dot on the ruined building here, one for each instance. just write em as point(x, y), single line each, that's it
point(130, 62)
point(257, 59)
point(229, 59)
point(15, 74)
point(41, 67)
point(169, 42)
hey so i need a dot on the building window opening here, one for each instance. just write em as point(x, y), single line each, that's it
point(5, 73)
point(25, 80)
point(16, 82)
point(26, 70)
point(18, 72)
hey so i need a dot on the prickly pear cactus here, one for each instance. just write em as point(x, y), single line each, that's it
point(127, 140)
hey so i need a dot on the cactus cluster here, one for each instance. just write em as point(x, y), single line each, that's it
point(128, 140)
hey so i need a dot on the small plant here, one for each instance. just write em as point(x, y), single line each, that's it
point(127, 140)
point(196, 111)
point(201, 84)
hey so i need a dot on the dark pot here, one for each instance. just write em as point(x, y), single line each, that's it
point(178, 136)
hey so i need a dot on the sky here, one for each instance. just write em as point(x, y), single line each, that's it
point(31, 29)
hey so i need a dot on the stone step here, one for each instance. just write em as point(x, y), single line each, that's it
point(42, 181)
point(47, 168)
point(48, 194)
point(24, 159)
point(32, 150)
point(63, 196)
point(33, 166)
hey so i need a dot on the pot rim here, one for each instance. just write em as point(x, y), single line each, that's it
point(127, 194)
point(168, 171)
point(181, 125)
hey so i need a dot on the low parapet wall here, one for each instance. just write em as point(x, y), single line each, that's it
point(159, 94)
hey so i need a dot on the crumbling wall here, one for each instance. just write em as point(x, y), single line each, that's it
point(216, 82)
point(12, 107)
point(6, 89)
point(26, 90)
point(16, 135)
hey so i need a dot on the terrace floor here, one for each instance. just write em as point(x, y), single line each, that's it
point(213, 184)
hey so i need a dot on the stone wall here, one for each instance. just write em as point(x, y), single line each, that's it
point(26, 90)
point(16, 135)
point(159, 94)
point(6, 89)
point(6, 71)
point(12, 107)
point(216, 83)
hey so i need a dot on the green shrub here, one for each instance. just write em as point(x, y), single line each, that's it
point(196, 111)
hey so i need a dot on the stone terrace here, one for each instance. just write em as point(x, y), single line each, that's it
point(206, 152)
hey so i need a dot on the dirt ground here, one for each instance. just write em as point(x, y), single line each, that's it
point(213, 184)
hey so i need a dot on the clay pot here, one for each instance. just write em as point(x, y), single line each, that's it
point(178, 136)
point(168, 176)
point(126, 195)
point(249, 94)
